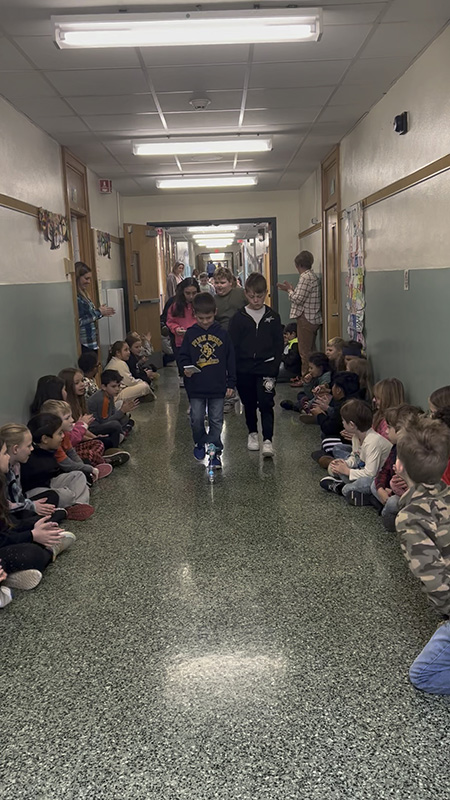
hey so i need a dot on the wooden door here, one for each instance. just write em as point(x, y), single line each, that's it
point(144, 290)
point(332, 274)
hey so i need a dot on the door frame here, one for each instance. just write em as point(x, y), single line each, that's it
point(233, 221)
point(330, 199)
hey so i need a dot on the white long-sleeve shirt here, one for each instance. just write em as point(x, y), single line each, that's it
point(122, 367)
point(373, 452)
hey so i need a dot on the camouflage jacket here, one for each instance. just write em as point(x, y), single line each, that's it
point(423, 523)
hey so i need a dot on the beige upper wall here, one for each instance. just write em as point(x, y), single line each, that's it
point(283, 205)
point(373, 155)
point(104, 211)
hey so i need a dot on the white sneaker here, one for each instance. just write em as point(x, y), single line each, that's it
point(66, 542)
point(181, 382)
point(253, 441)
point(23, 579)
point(267, 449)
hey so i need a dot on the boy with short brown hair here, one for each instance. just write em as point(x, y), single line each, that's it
point(423, 523)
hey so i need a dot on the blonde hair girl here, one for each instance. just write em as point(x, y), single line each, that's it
point(334, 353)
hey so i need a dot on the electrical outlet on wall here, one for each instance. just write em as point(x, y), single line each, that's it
point(406, 280)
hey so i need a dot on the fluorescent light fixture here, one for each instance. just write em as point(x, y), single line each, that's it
point(206, 183)
point(213, 228)
point(198, 28)
point(215, 236)
point(240, 144)
point(214, 244)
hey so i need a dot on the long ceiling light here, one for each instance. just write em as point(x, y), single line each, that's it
point(206, 183)
point(213, 244)
point(213, 235)
point(188, 28)
point(180, 148)
point(213, 228)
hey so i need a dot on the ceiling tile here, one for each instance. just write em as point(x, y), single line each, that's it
point(190, 56)
point(282, 98)
point(338, 41)
point(348, 114)
point(208, 122)
point(108, 169)
point(417, 10)
point(280, 116)
point(56, 125)
point(91, 151)
point(113, 104)
point(42, 50)
point(220, 101)
point(101, 81)
point(356, 95)
point(400, 39)
point(24, 84)
point(126, 186)
point(124, 122)
point(376, 71)
point(10, 58)
point(41, 106)
point(297, 74)
point(195, 79)
point(354, 14)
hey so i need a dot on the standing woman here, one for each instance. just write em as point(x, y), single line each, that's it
point(88, 314)
point(175, 277)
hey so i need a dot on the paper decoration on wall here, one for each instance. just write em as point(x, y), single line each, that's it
point(54, 227)
point(103, 244)
point(356, 299)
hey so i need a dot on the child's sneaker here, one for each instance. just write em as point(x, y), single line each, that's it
point(332, 485)
point(104, 470)
point(181, 382)
point(24, 579)
point(288, 405)
point(356, 498)
point(67, 541)
point(59, 515)
point(5, 596)
point(116, 457)
point(199, 452)
point(253, 441)
point(267, 449)
point(324, 461)
point(80, 512)
point(216, 462)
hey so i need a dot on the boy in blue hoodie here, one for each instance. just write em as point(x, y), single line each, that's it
point(207, 358)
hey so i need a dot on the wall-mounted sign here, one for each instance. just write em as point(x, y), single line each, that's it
point(105, 186)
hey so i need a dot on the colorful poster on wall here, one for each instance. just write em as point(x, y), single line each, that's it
point(54, 227)
point(356, 299)
point(103, 244)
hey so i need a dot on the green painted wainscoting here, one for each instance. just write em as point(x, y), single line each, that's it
point(38, 336)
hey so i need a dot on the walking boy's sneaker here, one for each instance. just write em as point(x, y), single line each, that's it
point(216, 462)
point(332, 485)
point(80, 512)
point(253, 441)
point(66, 542)
point(267, 449)
point(24, 579)
point(199, 452)
point(356, 498)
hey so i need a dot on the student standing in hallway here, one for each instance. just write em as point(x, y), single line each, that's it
point(305, 305)
point(257, 335)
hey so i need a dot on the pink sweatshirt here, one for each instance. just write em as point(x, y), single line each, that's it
point(76, 435)
point(174, 322)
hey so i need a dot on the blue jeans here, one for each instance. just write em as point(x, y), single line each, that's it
point(360, 485)
point(342, 451)
point(431, 669)
point(390, 509)
point(215, 418)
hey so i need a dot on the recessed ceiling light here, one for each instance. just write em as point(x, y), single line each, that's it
point(193, 147)
point(205, 183)
point(182, 28)
point(212, 228)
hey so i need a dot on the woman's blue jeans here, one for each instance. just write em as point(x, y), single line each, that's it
point(430, 672)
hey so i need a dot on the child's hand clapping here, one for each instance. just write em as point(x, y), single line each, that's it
point(340, 467)
point(42, 507)
point(3, 574)
point(346, 435)
point(87, 419)
point(129, 405)
point(47, 533)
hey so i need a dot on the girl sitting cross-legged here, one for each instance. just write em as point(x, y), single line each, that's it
point(132, 388)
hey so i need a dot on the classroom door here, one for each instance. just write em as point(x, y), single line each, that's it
point(332, 275)
point(142, 253)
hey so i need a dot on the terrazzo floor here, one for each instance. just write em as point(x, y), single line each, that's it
point(241, 641)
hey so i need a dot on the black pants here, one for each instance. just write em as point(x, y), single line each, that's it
point(254, 396)
point(29, 555)
point(110, 432)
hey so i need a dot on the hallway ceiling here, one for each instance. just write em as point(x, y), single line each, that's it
point(307, 96)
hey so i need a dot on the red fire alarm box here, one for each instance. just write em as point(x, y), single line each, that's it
point(105, 186)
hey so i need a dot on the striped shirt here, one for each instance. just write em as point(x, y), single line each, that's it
point(305, 298)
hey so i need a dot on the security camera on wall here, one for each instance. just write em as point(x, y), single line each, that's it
point(401, 123)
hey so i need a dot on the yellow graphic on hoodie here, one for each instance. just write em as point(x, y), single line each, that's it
point(207, 344)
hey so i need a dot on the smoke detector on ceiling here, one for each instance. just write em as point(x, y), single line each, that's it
point(200, 103)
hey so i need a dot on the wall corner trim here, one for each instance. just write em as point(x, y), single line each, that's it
point(18, 205)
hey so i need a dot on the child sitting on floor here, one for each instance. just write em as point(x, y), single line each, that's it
point(439, 405)
point(345, 386)
point(42, 470)
point(88, 364)
point(110, 421)
point(353, 476)
point(319, 374)
point(66, 455)
point(334, 353)
point(423, 523)
point(131, 387)
point(291, 363)
point(88, 447)
point(361, 367)
point(138, 363)
point(388, 487)
point(49, 387)
point(386, 394)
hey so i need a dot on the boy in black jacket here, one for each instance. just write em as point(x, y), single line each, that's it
point(207, 358)
point(257, 335)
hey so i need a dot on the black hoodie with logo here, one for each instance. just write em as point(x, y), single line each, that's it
point(258, 348)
